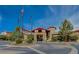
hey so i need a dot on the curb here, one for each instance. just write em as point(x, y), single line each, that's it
point(73, 49)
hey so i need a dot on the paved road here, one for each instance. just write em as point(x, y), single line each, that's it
point(46, 48)
point(3, 44)
point(18, 50)
point(14, 50)
point(52, 49)
point(76, 46)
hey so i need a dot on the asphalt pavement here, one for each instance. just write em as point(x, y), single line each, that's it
point(45, 48)
point(14, 50)
point(76, 46)
point(52, 49)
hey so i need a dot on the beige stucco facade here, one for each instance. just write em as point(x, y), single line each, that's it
point(45, 35)
point(41, 34)
point(51, 33)
point(37, 33)
point(75, 33)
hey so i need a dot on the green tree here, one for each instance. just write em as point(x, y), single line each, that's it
point(65, 30)
point(17, 35)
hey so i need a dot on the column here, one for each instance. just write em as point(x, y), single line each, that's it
point(44, 37)
point(50, 37)
point(35, 38)
point(25, 38)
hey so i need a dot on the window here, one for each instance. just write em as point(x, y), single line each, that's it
point(39, 30)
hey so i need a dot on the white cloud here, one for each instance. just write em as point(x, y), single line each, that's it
point(26, 26)
point(67, 10)
point(45, 23)
point(75, 20)
point(52, 10)
point(63, 12)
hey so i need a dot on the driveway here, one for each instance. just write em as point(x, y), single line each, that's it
point(35, 49)
point(52, 48)
point(76, 45)
point(4, 49)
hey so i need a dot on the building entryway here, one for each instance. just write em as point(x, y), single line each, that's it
point(39, 37)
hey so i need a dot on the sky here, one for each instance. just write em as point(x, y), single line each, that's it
point(37, 16)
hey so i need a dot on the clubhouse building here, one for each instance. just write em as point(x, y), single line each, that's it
point(41, 34)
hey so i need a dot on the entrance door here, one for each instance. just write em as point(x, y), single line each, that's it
point(39, 37)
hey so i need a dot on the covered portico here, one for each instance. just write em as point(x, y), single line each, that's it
point(39, 35)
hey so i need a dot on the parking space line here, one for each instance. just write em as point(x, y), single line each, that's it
point(38, 51)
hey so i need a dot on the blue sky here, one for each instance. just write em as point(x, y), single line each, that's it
point(42, 16)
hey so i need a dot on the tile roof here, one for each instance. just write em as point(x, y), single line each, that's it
point(39, 29)
point(76, 31)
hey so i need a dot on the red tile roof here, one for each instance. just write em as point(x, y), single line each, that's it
point(39, 29)
point(76, 31)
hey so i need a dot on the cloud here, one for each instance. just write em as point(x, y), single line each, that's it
point(45, 23)
point(52, 10)
point(58, 14)
point(69, 12)
point(27, 26)
point(75, 20)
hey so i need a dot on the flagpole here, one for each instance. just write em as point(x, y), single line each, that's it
point(22, 16)
point(31, 24)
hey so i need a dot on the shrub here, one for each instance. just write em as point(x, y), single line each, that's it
point(16, 35)
point(54, 38)
point(3, 37)
point(73, 38)
point(60, 38)
point(30, 39)
point(19, 41)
